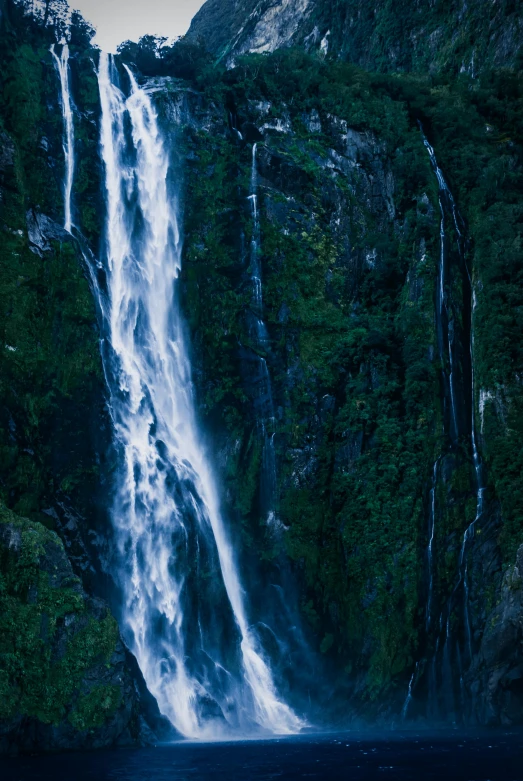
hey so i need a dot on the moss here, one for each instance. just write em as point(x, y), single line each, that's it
point(93, 709)
point(49, 642)
point(361, 335)
point(350, 312)
point(50, 366)
point(327, 643)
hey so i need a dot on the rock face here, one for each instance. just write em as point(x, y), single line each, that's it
point(330, 212)
point(67, 681)
point(417, 36)
point(348, 241)
point(350, 250)
point(496, 677)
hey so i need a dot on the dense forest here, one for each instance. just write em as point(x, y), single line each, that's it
point(363, 414)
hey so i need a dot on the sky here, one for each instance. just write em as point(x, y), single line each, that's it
point(122, 20)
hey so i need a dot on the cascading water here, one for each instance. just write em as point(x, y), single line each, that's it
point(260, 340)
point(408, 698)
point(430, 546)
point(62, 66)
point(480, 493)
point(444, 320)
point(447, 203)
point(184, 612)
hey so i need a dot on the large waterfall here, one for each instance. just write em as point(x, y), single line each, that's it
point(184, 610)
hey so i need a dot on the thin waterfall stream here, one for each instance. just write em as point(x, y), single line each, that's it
point(408, 698)
point(480, 492)
point(260, 339)
point(430, 546)
point(444, 324)
point(444, 320)
point(62, 66)
point(184, 612)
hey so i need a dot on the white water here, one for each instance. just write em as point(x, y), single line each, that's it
point(261, 328)
point(62, 66)
point(184, 609)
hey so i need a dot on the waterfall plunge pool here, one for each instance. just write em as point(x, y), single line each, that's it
point(358, 756)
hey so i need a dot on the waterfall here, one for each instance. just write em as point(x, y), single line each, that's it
point(184, 613)
point(260, 340)
point(444, 322)
point(446, 199)
point(62, 66)
point(430, 546)
point(408, 698)
point(480, 491)
point(478, 467)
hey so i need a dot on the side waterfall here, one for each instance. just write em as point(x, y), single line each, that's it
point(260, 339)
point(62, 66)
point(444, 320)
point(184, 612)
point(480, 493)
point(447, 203)
point(408, 698)
point(430, 546)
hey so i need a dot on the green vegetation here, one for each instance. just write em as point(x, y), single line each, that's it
point(55, 643)
point(360, 333)
point(50, 642)
point(349, 250)
point(50, 373)
point(428, 37)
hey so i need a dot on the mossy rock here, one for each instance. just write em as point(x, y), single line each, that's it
point(61, 659)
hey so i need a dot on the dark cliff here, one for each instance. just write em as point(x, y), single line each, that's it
point(66, 679)
point(350, 248)
point(373, 421)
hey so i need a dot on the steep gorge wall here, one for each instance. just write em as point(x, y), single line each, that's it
point(418, 35)
point(349, 249)
point(66, 679)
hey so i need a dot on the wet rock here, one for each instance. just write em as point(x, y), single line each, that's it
point(125, 712)
point(496, 676)
point(41, 230)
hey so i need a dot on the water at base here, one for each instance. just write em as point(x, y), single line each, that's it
point(346, 756)
point(184, 610)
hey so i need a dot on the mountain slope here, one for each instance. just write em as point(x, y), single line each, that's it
point(413, 35)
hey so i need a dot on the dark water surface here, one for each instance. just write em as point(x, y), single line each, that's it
point(355, 756)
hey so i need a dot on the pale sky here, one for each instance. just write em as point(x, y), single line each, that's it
point(121, 20)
